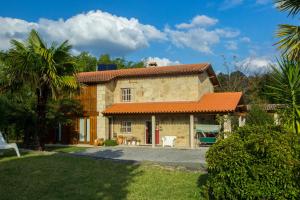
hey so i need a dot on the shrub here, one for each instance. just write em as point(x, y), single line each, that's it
point(260, 163)
point(258, 116)
point(110, 143)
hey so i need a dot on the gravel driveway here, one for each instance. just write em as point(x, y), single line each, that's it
point(188, 158)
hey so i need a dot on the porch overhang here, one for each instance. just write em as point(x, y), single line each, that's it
point(223, 102)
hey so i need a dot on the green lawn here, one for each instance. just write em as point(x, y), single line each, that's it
point(60, 176)
point(65, 149)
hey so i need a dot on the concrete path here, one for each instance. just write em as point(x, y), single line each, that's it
point(187, 158)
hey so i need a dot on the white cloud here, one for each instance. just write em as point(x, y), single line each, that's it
point(199, 39)
point(13, 29)
point(95, 31)
point(231, 45)
point(198, 21)
point(245, 39)
point(256, 64)
point(227, 32)
point(160, 61)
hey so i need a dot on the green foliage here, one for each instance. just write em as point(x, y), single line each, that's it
point(285, 89)
point(258, 162)
point(290, 41)
point(289, 34)
point(258, 116)
point(85, 62)
point(47, 71)
point(63, 111)
point(292, 6)
point(110, 143)
point(17, 113)
point(120, 62)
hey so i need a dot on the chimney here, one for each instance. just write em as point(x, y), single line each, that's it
point(152, 64)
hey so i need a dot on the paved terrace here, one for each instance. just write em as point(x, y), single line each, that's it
point(186, 158)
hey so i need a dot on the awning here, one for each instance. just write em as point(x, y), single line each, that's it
point(222, 102)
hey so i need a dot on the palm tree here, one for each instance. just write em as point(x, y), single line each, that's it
point(285, 88)
point(47, 70)
point(289, 34)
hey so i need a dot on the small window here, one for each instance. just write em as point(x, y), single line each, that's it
point(126, 94)
point(126, 127)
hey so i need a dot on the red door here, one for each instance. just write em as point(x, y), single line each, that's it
point(157, 135)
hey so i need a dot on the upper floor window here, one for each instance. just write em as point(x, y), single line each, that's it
point(126, 94)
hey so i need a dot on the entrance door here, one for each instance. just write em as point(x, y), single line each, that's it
point(84, 130)
point(148, 132)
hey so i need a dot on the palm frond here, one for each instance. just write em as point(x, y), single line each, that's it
point(291, 6)
point(285, 88)
point(290, 40)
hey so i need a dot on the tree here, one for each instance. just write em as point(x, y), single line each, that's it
point(47, 70)
point(285, 89)
point(289, 34)
point(85, 62)
point(120, 62)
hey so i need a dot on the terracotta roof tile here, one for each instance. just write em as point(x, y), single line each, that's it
point(104, 76)
point(209, 103)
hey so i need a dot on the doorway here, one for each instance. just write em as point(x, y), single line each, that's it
point(148, 132)
point(84, 130)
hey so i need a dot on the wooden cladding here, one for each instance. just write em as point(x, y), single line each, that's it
point(93, 121)
point(88, 99)
point(89, 134)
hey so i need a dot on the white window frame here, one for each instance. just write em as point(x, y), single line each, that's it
point(126, 94)
point(126, 127)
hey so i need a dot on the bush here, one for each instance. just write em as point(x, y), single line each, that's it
point(254, 163)
point(258, 116)
point(110, 143)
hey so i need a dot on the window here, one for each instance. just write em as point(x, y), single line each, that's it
point(126, 127)
point(126, 94)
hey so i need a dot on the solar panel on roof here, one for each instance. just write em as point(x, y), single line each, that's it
point(104, 67)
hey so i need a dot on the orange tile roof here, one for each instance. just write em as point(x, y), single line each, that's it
point(104, 76)
point(209, 103)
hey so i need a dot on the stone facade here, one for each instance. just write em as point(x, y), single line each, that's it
point(171, 88)
point(168, 125)
point(104, 100)
point(152, 89)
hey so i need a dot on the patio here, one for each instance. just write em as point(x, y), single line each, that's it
point(186, 158)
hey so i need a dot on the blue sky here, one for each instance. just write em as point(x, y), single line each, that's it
point(167, 31)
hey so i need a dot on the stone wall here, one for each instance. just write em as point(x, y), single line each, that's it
point(138, 125)
point(158, 89)
point(104, 100)
point(168, 125)
point(204, 85)
point(153, 89)
point(174, 125)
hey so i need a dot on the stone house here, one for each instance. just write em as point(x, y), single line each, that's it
point(149, 103)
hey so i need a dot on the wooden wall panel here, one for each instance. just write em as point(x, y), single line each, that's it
point(93, 121)
point(88, 98)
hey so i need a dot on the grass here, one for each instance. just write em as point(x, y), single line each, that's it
point(60, 176)
point(65, 149)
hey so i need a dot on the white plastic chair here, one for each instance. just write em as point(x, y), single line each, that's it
point(168, 141)
point(4, 145)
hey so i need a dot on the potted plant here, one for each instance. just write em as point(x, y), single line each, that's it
point(138, 142)
point(120, 139)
